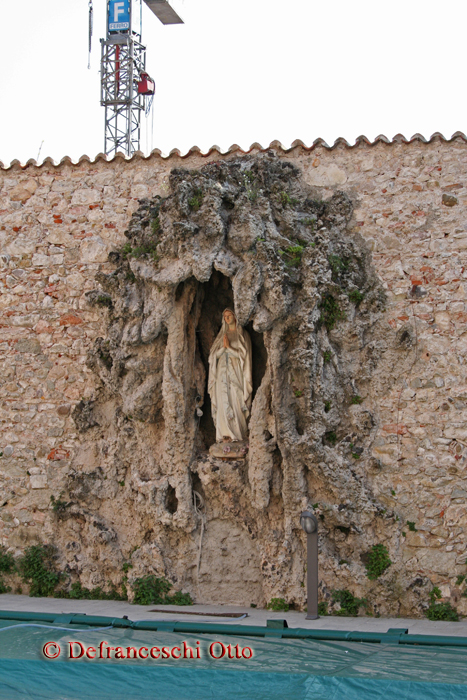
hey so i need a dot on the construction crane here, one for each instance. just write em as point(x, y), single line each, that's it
point(125, 84)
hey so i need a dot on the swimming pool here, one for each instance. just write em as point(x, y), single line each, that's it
point(228, 661)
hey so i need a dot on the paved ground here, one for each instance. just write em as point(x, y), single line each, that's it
point(255, 616)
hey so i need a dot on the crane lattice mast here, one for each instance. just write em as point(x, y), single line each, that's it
point(124, 81)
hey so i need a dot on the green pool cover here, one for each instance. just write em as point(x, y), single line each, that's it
point(270, 666)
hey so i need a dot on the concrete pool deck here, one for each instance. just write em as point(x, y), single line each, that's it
point(210, 613)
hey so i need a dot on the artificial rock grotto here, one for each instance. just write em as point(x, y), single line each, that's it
point(346, 268)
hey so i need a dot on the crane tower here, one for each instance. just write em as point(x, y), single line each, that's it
point(125, 85)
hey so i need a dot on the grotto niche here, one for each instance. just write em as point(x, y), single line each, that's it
point(246, 234)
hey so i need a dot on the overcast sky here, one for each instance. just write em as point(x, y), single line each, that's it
point(238, 71)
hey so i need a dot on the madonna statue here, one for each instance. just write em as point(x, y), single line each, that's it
point(230, 383)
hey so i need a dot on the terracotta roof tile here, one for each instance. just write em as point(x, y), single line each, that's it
point(361, 141)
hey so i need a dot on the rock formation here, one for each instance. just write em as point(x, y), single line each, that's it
point(247, 233)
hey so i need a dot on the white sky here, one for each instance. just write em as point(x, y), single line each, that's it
point(238, 71)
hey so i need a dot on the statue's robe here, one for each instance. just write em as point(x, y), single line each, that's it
point(230, 383)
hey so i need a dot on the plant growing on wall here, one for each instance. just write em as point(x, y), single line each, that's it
point(377, 561)
point(37, 568)
point(440, 611)
point(151, 590)
point(278, 605)
point(331, 312)
point(350, 605)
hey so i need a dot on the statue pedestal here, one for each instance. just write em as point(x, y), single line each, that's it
point(229, 450)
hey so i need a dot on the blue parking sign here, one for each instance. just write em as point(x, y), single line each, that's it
point(119, 15)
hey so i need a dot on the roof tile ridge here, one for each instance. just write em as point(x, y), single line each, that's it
point(458, 135)
point(233, 149)
point(16, 163)
point(101, 156)
point(277, 145)
point(381, 138)
point(320, 142)
point(363, 140)
point(214, 149)
point(174, 152)
point(298, 143)
point(418, 137)
point(340, 141)
point(437, 136)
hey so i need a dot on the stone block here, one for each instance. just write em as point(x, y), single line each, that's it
point(40, 260)
point(23, 190)
point(38, 481)
point(30, 345)
point(325, 176)
point(94, 250)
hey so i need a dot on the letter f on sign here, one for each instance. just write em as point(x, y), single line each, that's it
point(119, 9)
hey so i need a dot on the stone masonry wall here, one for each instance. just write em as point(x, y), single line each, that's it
point(58, 225)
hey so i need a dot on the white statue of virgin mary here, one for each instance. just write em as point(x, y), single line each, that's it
point(230, 383)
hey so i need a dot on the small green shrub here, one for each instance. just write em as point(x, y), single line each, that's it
point(196, 200)
point(330, 437)
point(292, 255)
point(356, 297)
point(104, 300)
point(179, 598)
point(331, 312)
point(59, 507)
point(298, 393)
point(146, 250)
point(287, 200)
point(156, 225)
point(323, 609)
point(338, 265)
point(327, 406)
point(251, 186)
point(37, 567)
point(327, 354)
point(356, 399)
point(350, 605)
point(126, 567)
point(411, 526)
point(3, 587)
point(7, 561)
point(460, 580)
point(278, 605)
point(440, 611)
point(79, 592)
point(377, 561)
point(150, 590)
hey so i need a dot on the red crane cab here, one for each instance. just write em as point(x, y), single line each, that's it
point(146, 85)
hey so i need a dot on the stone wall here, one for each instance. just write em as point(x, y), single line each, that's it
point(58, 226)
